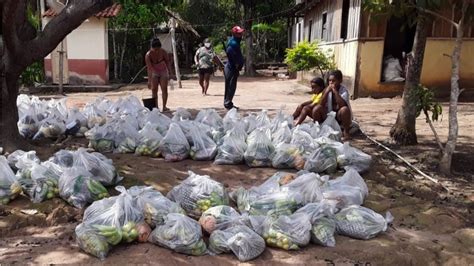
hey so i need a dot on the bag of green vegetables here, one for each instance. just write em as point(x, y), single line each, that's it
point(78, 187)
point(9, 186)
point(289, 232)
point(148, 141)
point(240, 240)
point(101, 168)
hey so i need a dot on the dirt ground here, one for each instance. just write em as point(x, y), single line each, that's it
point(432, 225)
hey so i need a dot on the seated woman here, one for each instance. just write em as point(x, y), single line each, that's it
point(335, 98)
point(306, 109)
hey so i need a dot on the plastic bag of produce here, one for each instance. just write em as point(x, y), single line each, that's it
point(328, 132)
point(322, 232)
point(186, 126)
point(153, 204)
point(63, 158)
point(230, 118)
point(361, 223)
point(115, 218)
point(306, 187)
point(91, 242)
point(344, 195)
point(126, 138)
point(282, 134)
point(317, 210)
point(78, 188)
point(353, 157)
point(259, 149)
point(43, 184)
point(161, 121)
point(102, 103)
point(24, 163)
point(288, 232)
point(28, 124)
point(149, 141)
point(174, 146)
point(274, 204)
point(304, 140)
point(240, 240)
point(51, 127)
point(181, 234)
point(210, 117)
point(181, 114)
point(75, 115)
point(198, 193)
point(250, 122)
point(262, 120)
point(9, 186)
point(203, 147)
point(98, 165)
point(280, 118)
point(233, 147)
point(101, 138)
point(323, 159)
point(219, 218)
point(94, 115)
point(15, 156)
point(332, 122)
point(351, 178)
point(288, 156)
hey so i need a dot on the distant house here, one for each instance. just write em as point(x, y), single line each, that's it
point(362, 44)
point(86, 52)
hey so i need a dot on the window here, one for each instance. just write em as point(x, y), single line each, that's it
point(345, 18)
point(310, 30)
point(323, 26)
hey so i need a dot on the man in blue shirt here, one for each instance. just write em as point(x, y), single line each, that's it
point(235, 63)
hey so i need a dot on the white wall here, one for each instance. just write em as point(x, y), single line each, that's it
point(88, 41)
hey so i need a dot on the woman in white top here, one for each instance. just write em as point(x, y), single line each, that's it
point(336, 98)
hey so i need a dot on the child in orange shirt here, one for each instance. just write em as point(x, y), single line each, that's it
point(306, 109)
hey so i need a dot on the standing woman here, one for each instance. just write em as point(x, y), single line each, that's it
point(158, 66)
point(204, 59)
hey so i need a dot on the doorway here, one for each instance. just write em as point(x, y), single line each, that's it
point(399, 39)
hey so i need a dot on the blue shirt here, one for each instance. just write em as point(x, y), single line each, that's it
point(234, 54)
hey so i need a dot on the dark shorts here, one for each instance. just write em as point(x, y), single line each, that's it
point(203, 71)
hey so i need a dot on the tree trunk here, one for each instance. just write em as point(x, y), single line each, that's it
point(450, 147)
point(404, 130)
point(116, 59)
point(249, 55)
point(124, 48)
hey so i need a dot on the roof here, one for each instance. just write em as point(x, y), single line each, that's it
point(109, 12)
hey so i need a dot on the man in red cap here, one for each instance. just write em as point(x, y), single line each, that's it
point(235, 62)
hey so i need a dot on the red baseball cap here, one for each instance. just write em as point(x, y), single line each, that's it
point(237, 29)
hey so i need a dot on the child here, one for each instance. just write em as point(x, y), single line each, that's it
point(306, 109)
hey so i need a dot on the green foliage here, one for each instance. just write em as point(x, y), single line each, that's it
point(33, 18)
point(306, 55)
point(33, 74)
point(426, 103)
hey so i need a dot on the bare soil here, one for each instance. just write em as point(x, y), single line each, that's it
point(432, 225)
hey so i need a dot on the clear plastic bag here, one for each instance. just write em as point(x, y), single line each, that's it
point(149, 141)
point(322, 232)
point(317, 210)
point(101, 168)
point(323, 159)
point(282, 135)
point(43, 184)
point(15, 156)
point(259, 149)
point(288, 232)
point(78, 188)
point(51, 128)
point(24, 163)
point(203, 147)
point(126, 138)
point(274, 204)
point(288, 156)
point(153, 205)
point(91, 242)
point(181, 234)
point(219, 218)
point(240, 240)
point(262, 120)
point(306, 187)
point(210, 117)
point(332, 122)
point(303, 139)
point(351, 178)
point(76, 123)
point(353, 157)
point(161, 121)
point(174, 145)
point(361, 223)
point(94, 115)
point(101, 138)
point(233, 147)
point(198, 193)
point(230, 118)
point(344, 195)
point(63, 158)
point(28, 123)
point(328, 132)
point(250, 122)
point(9, 186)
point(181, 114)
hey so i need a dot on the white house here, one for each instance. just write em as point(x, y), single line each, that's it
point(86, 52)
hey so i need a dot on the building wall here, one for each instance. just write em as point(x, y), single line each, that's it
point(436, 72)
point(87, 53)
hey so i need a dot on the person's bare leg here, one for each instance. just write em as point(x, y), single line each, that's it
point(319, 114)
point(344, 117)
point(201, 83)
point(298, 111)
point(207, 76)
point(154, 89)
point(305, 112)
point(164, 92)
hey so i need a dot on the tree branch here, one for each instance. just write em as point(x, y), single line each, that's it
point(427, 11)
point(10, 37)
point(71, 17)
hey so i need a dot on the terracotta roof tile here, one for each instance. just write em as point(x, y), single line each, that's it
point(109, 12)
